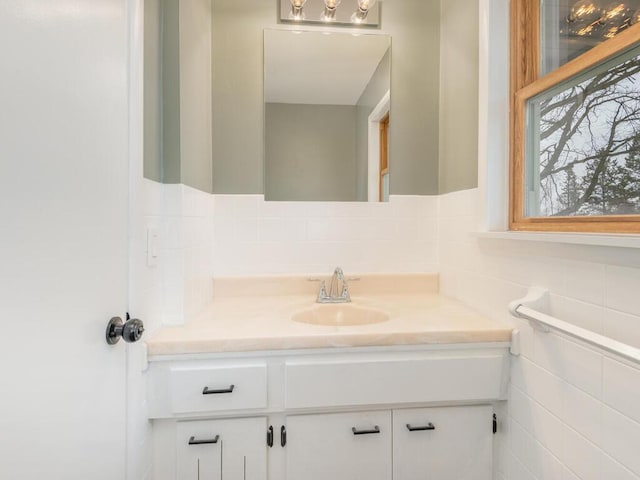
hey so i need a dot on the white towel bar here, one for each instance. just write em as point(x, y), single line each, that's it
point(522, 309)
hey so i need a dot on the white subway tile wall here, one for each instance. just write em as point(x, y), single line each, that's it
point(231, 235)
point(573, 411)
point(167, 293)
point(253, 237)
point(186, 252)
point(145, 302)
point(146, 282)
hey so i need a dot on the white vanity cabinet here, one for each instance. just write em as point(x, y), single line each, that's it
point(449, 443)
point(385, 413)
point(339, 446)
point(221, 449)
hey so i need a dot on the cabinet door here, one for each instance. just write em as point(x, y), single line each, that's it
point(342, 446)
point(232, 449)
point(452, 443)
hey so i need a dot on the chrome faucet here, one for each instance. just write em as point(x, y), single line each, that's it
point(333, 296)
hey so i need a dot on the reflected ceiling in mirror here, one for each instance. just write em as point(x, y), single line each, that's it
point(327, 117)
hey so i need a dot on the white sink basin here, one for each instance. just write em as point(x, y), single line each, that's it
point(337, 315)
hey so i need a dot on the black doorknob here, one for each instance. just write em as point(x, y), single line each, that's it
point(130, 331)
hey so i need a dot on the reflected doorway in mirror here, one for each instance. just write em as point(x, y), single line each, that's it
point(378, 156)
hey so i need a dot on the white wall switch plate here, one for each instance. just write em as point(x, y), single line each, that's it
point(153, 239)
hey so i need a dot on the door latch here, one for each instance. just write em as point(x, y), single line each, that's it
point(130, 331)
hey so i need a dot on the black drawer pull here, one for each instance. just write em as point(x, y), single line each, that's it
point(355, 431)
point(206, 390)
point(270, 436)
point(283, 436)
point(428, 426)
point(193, 441)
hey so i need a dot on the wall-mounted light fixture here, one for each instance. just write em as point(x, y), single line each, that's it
point(360, 13)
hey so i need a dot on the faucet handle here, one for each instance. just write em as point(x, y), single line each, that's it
point(322, 293)
point(345, 292)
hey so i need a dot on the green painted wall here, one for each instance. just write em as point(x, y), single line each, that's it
point(152, 90)
point(310, 152)
point(459, 24)
point(177, 110)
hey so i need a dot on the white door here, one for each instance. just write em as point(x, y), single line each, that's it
point(451, 443)
point(339, 446)
point(63, 237)
point(233, 449)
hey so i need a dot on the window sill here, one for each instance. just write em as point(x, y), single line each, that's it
point(594, 239)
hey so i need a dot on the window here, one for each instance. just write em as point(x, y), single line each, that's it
point(575, 117)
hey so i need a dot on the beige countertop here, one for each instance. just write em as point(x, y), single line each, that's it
point(262, 320)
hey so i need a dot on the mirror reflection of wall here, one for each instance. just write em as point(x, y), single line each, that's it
point(326, 116)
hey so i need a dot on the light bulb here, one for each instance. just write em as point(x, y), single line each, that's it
point(366, 5)
point(297, 12)
point(584, 17)
point(617, 16)
point(360, 16)
point(585, 11)
point(616, 11)
point(329, 13)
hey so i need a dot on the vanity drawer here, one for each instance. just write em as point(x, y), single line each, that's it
point(214, 389)
point(335, 384)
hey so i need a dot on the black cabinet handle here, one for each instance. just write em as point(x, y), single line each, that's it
point(428, 426)
point(270, 436)
point(355, 431)
point(207, 391)
point(283, 436)
point(193, 441)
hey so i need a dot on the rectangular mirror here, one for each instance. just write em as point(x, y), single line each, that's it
point(327, 116)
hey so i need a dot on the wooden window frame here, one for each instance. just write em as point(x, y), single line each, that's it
point(384, 153)
point(525, 83)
